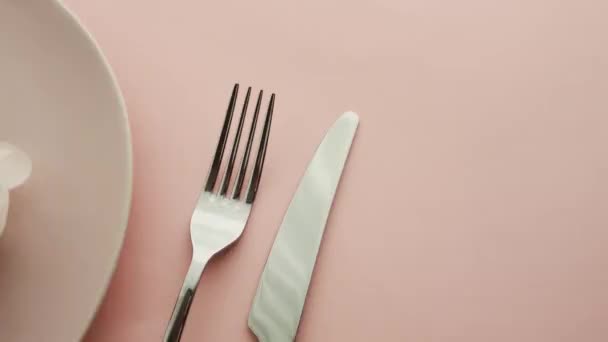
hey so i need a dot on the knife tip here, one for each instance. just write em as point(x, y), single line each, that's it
point(351, 116)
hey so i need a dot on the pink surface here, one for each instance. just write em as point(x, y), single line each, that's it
point(474, 206)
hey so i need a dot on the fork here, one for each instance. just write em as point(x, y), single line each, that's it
point(219, 217)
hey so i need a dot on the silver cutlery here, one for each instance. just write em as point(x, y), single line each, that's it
point(220, 216)
point(277, 307)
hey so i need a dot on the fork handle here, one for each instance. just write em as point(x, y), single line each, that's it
point(184, 301)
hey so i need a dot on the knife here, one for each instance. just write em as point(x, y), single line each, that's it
point(281, 293)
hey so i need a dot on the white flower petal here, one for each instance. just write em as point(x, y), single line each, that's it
point(3, 207)
point(15, 166)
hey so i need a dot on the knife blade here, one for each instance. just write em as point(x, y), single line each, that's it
point(279, 300)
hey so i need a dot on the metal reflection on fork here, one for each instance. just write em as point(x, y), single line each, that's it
point(220, 217)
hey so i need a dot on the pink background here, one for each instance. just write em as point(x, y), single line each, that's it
point(474, 206)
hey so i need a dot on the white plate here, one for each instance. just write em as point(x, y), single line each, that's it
point(60, 103)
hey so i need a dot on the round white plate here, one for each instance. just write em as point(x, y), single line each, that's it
point(60, 103)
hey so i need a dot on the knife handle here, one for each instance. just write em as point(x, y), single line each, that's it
point(184, 301)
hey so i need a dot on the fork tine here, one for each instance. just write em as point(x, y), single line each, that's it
point(238, 186)
point(221, 145)
point(256, 176)
point(235, 147)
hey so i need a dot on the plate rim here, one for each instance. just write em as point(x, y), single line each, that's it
point(88, 38)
